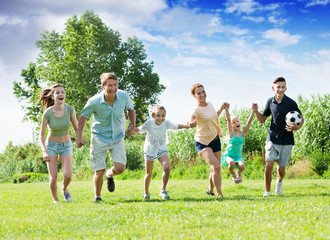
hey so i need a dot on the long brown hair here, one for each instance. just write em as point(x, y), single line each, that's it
point(46, 96)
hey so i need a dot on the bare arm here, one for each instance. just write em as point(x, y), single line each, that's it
point(220, 110)
point(183, 126)
point(43, 128)
point(192, 121)
point(248, 124)
point(230, 130)
point(74, 122)
point(261, 118)
point(81, 125)
point(131, 117)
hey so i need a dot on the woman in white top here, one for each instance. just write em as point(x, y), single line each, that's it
point(155, 147)
point(207, 139)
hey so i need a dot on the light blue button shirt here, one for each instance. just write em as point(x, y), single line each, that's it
point(108, 122)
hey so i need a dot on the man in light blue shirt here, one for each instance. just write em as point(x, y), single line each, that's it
point(108, 130)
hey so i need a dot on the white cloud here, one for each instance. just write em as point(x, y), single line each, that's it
point(324, 54)
point(179, 19)
point(325, 35)
point(277, 21)
point(254, 19)
point(280, 36)
point(12, 20)
point(242, 6)
point(192, 61)
point(248, 6)
point(317, 2)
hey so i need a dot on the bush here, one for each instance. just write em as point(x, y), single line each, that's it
point(320, 161)
point(254, 165)
point(181, 148)
point(134, 153)
point(30, 177)
point(314, 135)
point(301, 169)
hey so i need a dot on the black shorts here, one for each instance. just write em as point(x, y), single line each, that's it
point(215, 145)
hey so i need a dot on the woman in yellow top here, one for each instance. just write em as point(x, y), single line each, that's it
point(58, 116)
point(207, 141)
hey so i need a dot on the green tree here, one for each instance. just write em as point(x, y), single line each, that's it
point(77, 57)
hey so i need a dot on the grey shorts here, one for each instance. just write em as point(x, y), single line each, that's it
point(55, 149)
point(99, 150)
point(279, 153)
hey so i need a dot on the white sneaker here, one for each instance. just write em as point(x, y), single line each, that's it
point(279, 188)
point(267, 194)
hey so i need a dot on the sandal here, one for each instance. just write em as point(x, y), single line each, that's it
point(146, 196)
point(164, 195)
point(234, 177)
point(208, 192)
point(239, 176)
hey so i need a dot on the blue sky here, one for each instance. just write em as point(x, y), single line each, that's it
point(235, 48)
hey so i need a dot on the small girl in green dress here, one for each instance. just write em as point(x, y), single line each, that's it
point(233, 154)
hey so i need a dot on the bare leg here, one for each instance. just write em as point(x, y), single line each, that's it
point(268, 175)
point(147, 177)
point(53, 176)
point(241, 168)
point(116, 169)
point(166, 170)
point(213, 159)
point(280, 173)
point(66, 161)
point(98, 181)
point(231, 167)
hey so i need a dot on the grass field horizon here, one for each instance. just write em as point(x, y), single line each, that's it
point(302, 212)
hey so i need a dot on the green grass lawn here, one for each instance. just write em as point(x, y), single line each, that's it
point(302, 212)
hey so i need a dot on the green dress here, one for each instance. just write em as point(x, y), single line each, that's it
point(233, 150)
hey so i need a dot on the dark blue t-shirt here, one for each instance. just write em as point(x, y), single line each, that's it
point(277, 133)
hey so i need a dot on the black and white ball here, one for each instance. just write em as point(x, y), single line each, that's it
point(293, 117)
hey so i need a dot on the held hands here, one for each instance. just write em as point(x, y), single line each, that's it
point(192, 124)
point(225, 105)
point(254, 107)
point(130, 130)
point(80, 142)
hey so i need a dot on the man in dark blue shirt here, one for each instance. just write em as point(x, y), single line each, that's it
point(280, 139)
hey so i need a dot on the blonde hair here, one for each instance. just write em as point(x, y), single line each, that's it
point(46, 96)
point(193, 88)
point(105, 76)
point(155, 108)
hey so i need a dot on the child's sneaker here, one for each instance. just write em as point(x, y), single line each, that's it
point(266, 194)
point(146, 196)
point(279, 188)
point(164, 195)
point(67, 196)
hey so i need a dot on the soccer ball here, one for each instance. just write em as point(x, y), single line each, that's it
point(293, 117)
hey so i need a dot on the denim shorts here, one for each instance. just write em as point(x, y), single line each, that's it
point(55, 149)
point(152, 158)
point(215, 145)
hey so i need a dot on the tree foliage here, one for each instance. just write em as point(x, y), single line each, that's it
point(77, 57)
